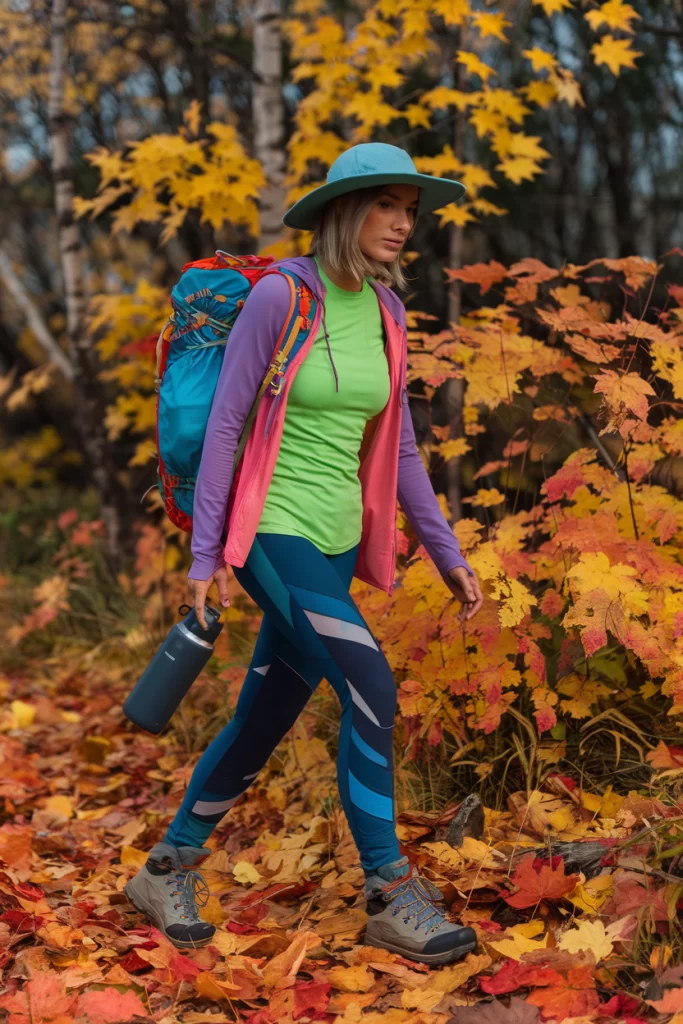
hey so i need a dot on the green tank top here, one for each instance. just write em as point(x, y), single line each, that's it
point(315, 491)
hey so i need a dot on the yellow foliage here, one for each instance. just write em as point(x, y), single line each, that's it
point(615, 53)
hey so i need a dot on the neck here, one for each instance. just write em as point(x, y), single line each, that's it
point(345, 281)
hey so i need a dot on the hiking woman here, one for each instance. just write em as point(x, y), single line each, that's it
point(314, 505)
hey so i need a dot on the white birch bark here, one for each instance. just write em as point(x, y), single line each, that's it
point(34, 318)
point(88, 392)
point(268, 112)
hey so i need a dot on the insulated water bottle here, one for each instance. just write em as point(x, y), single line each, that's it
point(172, 670)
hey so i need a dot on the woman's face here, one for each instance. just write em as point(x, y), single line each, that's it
point(389, 222)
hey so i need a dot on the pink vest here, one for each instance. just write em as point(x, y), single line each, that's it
point(378, 471)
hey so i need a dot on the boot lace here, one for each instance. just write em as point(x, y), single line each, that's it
point(192, 890)
point(413, 898)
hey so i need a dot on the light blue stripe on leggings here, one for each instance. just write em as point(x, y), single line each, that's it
point(366, 749)
point(372, 803)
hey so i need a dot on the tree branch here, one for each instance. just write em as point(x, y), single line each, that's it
point(34, 318)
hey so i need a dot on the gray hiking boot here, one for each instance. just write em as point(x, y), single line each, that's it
point(406, 914)
point(167, 889)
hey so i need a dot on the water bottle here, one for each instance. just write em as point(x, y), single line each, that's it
point(172, 670)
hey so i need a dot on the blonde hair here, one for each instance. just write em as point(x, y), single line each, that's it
point(335, 239)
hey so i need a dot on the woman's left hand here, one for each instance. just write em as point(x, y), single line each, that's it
point(467, 590)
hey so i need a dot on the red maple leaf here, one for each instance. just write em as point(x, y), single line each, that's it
point(514, 975)
point(537, 881)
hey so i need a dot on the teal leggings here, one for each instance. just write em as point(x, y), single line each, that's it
point(311, 628)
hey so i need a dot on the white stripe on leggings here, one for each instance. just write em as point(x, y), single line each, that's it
point(329, 626)
point(206, 807)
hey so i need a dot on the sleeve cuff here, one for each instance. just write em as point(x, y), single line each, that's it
point(204, 566)
point(456, 562)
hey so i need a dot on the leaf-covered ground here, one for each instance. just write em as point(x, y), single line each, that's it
point(85, 794)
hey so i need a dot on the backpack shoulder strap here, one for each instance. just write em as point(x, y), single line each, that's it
point(288, 343)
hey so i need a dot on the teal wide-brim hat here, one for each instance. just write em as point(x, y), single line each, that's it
point(367, 164)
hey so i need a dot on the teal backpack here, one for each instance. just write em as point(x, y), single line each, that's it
point(206, 301)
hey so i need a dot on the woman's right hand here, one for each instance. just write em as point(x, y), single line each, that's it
point(200, 588)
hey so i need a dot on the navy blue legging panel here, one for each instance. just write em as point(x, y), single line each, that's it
point(311, 628)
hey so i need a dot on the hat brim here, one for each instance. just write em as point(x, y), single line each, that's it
point(434, 193)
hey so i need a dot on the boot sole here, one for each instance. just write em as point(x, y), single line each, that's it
point(140, 904)
point(435, 959)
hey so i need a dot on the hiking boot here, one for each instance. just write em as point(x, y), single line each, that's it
point(167, 889)
point(406, 914)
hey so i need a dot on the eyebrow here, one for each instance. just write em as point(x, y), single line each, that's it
point(393, 195)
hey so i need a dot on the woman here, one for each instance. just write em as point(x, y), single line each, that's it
point(315, 507)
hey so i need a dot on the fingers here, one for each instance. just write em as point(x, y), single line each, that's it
point(472, 597)
point(199, 589)
point(221, 578)
point(471, 608)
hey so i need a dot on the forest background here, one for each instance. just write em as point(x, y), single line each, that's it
point(545, 363)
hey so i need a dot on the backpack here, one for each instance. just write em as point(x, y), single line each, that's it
point(206, 302)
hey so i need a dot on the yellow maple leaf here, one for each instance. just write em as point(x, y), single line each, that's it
point(553, 6)
point(453, 12)
point(540, 59)
point(491, 24)
point(541, 93)
point(245, 873)
point(458, 215)
point(474, 65)
point(614, 14)
point(487, 122)
point(519, 939)
point(625, 396)
point(519, 168)
point(442, 97)
point(351, 979)
point(615, 53)
point(487, 497)
point(588, 936)
point(567, 88)
point(582, 693)
point(23, 714)
point(110, 165)
point(668, 363)
point(416, 115)
point(594, 571)
point(505, 102)
point(452, 448)
point(591, 895)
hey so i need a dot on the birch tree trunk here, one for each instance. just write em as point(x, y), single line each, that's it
point(88, 392)
point(268, 111)
point(455, 392)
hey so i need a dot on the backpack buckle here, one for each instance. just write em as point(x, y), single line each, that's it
point(276, 388)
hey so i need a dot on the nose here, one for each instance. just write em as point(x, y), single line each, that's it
point(402, 221)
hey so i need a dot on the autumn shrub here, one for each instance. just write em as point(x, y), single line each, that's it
point(569, 453)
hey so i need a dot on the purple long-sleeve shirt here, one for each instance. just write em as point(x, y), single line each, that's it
point(247, 357)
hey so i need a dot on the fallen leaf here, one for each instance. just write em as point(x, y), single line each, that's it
point(281, 971)
point(495, 1012)
point(538, 881)
point(588, 936)
point(109, 1006)
point(351, 979)
point(245, 873)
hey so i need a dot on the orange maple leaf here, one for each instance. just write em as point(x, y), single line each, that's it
point(574, 996)
point(537, 881)
point(483, 274)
